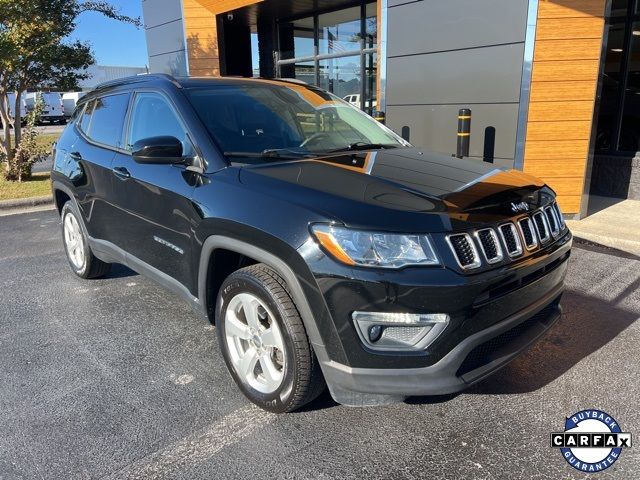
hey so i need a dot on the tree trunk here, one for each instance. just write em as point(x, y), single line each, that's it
point(17, 119)
point(6, 141)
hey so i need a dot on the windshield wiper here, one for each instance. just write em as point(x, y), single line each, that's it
point(277, 152)
point(363, 146)
point(284, 153)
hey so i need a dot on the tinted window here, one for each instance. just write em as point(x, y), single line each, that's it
point(76, 113)
point(108, 119)
point(153, 116)
point(262, 116)
point(86, 118)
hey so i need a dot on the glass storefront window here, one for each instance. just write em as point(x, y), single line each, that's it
point(297, 39)
point(341, 76)
point(305, 72)
point(339, 32)
point(343, 46)
point(630, 125)
point(619, 8)
point(371, 83)
point(371, 25)
point(618, 128)
point(611, 88)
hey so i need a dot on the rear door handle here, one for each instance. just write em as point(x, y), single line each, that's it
point(76, 156)
point(121, 172)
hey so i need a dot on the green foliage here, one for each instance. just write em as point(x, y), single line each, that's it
point(33, 49)
point(28, 150)
point(35, 54)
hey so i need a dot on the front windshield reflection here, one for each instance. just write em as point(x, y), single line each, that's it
point(276, 119)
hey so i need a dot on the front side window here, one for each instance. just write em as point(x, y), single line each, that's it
point(267, 116)
point(108, 119)
point(153, 116)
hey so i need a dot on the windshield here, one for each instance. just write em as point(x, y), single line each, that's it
point(275, 119)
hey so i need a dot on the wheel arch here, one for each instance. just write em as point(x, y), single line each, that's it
point(61, 195)
point(260, 255)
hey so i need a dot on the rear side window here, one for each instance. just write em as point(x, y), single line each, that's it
point(107, 119)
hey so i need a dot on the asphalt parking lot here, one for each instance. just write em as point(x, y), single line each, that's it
point(116, 378)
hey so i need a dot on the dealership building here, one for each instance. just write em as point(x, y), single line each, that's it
point(553, 85)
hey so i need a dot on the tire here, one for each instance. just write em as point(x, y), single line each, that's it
point(76, 245)
point(295, 378)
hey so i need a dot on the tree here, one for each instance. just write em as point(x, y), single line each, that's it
point(34, 54)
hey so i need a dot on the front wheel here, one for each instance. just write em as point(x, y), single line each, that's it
point(264, 343)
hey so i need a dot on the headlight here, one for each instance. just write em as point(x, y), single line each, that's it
point(373, 249)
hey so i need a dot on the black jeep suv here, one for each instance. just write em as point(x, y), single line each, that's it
point(324, 247)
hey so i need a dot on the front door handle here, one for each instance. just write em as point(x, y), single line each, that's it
point(121, 172)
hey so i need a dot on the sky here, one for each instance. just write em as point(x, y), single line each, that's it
point(114, 43)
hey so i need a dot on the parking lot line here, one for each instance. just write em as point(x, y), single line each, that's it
point(198, 447)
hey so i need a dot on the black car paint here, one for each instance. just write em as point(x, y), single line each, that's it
point(272, 207)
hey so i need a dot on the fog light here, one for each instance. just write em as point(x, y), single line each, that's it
point(399, 331)
point(375, 332)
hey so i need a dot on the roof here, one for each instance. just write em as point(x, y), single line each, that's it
point(194, 82)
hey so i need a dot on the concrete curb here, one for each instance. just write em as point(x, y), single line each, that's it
point(630, 248)
point(18, 203)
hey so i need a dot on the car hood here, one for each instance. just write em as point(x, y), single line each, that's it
point(388, 188)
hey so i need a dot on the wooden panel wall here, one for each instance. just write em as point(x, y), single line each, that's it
point(221, 6)
point(202, 39)
point(202, 33)
point(564, 78)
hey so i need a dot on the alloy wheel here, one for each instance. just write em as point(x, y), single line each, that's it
point(255, 343)
point(74, 241)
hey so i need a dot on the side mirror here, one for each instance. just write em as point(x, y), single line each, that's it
point(163, 150)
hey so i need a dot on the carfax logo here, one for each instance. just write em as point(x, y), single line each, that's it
point(592, 440)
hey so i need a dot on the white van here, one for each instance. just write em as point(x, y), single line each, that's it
point(53, 108)
point(12, 107)
point(69, 100)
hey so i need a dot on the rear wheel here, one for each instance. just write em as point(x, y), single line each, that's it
point(264, 343)
point(76, 245)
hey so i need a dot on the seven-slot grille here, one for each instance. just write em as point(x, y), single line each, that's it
point(530, 231)
point(490, 245)
point(541, 226)
point(556, 207)
point(464, 250)
point(550, 212)
point(511, 239)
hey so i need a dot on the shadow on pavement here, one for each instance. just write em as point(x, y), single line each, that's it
point(120, 271)
point(587, 325)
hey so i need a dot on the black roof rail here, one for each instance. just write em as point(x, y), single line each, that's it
point(141, 77)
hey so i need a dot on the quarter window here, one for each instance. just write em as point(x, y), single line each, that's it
point(153, 116)
point(85, 120)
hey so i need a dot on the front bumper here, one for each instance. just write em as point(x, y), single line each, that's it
point(495, 316)
point(470, 361)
